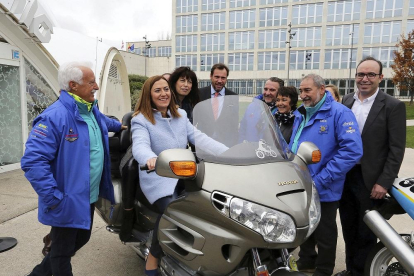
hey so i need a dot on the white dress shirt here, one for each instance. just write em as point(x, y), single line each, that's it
point(361, 108)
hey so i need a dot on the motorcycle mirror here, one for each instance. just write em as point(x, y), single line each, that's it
point(309, 153)
point(176, 163)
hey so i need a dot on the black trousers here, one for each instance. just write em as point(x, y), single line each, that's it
point(359, 239)
point(66, 241)
point(325, 237)
point(161, 204)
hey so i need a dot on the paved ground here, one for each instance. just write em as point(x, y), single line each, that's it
point(104, 254)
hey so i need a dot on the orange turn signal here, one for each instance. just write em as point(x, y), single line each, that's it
point(263, 273)
point(316, 156)
point(183, 168)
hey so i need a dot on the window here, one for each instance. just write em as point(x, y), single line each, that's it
point(242, 3)
point(186, 6)
point(208, 5)
point(410, 26)
point(208, 60)
point(212, 42)
point(342, 35)
point(344, 85)
point(411, 9)
point(270, 39)
point(300, 60)
point(241, 87)
point(242, 19)
point(213, 21)
point(383, 54)
point(241, 61)
point(186, 43)
point(307, 14)
point(186, 24)
point(164, 51)
point(340, 58)
point(267, 2)
point(384, 8)
point(150, 52)
point(138, 50)
point(348, 10)
point(241, 40)
point(275, 16)
point(382, 32)
point(271, 60)
point(186, 60)
point(307, 37)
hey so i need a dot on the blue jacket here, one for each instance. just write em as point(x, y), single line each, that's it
point(334, 129)
point(56, 163)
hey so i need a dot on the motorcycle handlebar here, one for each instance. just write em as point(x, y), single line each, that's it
point(145, 168)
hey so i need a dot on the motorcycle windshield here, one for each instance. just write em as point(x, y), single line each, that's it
point(230, 131)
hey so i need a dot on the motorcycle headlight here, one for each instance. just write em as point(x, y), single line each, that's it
point(314, 211)
point(273, 225)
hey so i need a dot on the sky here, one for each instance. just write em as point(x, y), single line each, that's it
point(113, 21)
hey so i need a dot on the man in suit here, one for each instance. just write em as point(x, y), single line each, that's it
point(220, 116)
point(381, 120)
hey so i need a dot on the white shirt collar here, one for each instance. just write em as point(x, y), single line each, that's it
point(214, 91)
point(367, 100)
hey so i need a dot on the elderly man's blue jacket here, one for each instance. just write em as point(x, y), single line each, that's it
point(334, 129)
point(56, 162)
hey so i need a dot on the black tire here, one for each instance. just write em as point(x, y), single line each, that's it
point(378, 260)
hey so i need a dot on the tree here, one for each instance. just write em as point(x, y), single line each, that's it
point(135, 86)
point(404, 64)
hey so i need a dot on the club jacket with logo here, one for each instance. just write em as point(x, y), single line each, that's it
point(333, 128)
point(56, 162)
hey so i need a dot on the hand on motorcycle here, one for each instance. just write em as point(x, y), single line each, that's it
point(151, 163)
point(378, 192)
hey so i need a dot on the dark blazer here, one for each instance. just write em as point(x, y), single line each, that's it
point(225, 129)
point(383, 139)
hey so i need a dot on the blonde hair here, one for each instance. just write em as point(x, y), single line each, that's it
point(145, 104)
point(335, 90)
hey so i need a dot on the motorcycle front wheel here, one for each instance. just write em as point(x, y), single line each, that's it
point(380, 259)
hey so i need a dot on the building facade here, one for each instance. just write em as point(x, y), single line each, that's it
point(259, 39)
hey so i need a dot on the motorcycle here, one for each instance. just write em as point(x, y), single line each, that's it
point(241, 213)
point(394, 254)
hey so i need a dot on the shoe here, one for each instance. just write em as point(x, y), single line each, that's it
point(305, 266)
point(48, 243)
point(344, 273)
point(127, 224)
point(152, 272)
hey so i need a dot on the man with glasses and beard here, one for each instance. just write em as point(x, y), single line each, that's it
point(333, 128)
point(382, 121)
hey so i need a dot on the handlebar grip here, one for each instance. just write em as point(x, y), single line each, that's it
point(143, 167)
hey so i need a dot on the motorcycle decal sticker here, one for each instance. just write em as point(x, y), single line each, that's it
point(264, 150)
point(288, 182)
point(71, 137)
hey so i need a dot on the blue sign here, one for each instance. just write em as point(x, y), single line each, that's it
point(15, 54)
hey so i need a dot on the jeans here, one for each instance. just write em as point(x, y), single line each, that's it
point(65, 242)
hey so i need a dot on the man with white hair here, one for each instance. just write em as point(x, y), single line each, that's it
point(67, 162)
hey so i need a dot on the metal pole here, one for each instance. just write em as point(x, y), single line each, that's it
point(290, 36)
point(96, 53)
point(350, 59)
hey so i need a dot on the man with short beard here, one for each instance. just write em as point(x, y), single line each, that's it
point(333, 128)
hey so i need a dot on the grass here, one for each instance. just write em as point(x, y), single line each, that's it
point(409, 110)
point(410, 137)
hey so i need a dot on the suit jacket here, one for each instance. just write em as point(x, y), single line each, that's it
point(225, 128)
point(383, 139)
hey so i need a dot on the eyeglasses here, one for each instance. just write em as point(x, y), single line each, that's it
point(368, 75)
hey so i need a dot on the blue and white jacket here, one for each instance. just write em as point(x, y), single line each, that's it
point(56, 163)
point(334, 129)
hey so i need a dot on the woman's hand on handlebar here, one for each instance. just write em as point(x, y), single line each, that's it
point(151, 163)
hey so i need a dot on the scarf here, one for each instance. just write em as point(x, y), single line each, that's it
point(285, 118)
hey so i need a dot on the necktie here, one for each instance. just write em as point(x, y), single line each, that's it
point(215, 105)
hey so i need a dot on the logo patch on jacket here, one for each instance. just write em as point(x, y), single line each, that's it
point(71, 137)
point(350, 130)
point(323, 129)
